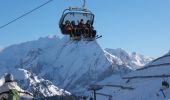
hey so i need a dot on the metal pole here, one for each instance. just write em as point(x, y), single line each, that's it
point(84, 4)
point(94, 94)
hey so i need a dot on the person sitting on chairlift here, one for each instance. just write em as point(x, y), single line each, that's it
point(74, 28)
point(63, 27)
point(92, 32)
point(69, 28)
point(89, 29)
point(81, 26)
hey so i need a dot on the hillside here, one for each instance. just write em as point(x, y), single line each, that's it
point(146, 82)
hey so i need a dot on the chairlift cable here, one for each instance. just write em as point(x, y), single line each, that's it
point(25, 14)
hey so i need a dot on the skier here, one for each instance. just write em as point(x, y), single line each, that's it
point(165, 86)
point(11, 91)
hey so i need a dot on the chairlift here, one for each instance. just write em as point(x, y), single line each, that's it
point(75, 14)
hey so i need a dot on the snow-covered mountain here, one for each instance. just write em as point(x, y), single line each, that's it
point(33, 83)
point(9, 59)
point(70, 65)
point(146, 83)
point(121, 57)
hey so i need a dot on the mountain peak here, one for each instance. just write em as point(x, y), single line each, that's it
point(133, 60)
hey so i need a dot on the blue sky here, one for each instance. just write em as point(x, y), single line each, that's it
point(134, 25)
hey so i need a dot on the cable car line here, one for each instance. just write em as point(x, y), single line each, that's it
point(84, 4)
point(25, 14)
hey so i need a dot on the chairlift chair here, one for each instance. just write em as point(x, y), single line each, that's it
point(75, 14)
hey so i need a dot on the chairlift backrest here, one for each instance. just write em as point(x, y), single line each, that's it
point(77, 16)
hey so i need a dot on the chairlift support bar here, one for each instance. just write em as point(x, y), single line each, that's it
point(76, 9)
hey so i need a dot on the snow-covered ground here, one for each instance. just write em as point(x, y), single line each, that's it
point(144, 88)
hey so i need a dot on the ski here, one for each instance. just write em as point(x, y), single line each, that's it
point(97, 37)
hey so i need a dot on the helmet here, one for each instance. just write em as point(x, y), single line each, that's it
point(8, 77)
point(81, 20)
point(73, 22)
point(67, 22)
point(88, 22)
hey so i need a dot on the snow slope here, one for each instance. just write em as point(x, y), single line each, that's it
point(144, 88)
point(70, 65)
